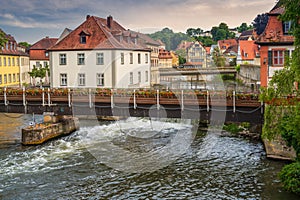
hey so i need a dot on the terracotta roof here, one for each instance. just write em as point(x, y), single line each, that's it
point(44, 43)
point(249, 48)
point(277, 10)
point(13, 48)
point(273, 32)
point(164, 54)
point(103, 34)
point(207, 49)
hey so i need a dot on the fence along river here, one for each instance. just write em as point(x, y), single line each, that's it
point(212, 167)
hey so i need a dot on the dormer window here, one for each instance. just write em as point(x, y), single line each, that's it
point(83, 37)
point(287, 27)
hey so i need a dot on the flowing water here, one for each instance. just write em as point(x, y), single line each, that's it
point(113, 161)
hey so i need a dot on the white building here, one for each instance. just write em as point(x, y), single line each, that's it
point(100, 53)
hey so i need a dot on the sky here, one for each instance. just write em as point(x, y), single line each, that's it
point(32, 20)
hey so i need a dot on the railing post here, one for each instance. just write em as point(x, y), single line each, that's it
point(90, 98)
point(69, 97)
point(24, 97)
point(233, 101)
point(43, 97)
point(49, 100)
point(207, 101)
point(182, 102)
point(157, 99)
point(5, 97)
point(134, 100)
point(112, 98)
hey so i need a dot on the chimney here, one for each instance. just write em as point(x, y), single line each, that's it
point(109, 21)
point(88, 16)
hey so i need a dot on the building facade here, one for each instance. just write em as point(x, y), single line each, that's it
point(196, 53)
point(14, 63)
point(39, 55)
point(275, 43)
point(100, 53)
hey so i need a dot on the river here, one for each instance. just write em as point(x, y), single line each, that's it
point(88, 164)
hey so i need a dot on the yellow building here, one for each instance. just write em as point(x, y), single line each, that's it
point(10, 57)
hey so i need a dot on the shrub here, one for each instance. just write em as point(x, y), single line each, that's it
point(290, 177)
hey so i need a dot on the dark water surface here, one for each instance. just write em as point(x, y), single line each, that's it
point(213, 167)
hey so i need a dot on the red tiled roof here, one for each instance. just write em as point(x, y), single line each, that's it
point(44, 43)
point(207, 49)
point(249, 48)
point(164, 54)
point(101, 36)
point(227, 43)
point(273, 32)
point(11, 50)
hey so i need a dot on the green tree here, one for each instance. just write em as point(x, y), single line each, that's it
point(260, 23)
point(3, 38)
point(181, 56)
point(171, 39)
point(25, 44)
point(221, 32)
point(218, 58)
point(244, 27)
point(287, 118)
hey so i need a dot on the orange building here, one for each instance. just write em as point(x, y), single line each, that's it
point(274, 43)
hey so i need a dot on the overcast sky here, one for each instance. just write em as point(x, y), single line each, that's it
point(31, 20)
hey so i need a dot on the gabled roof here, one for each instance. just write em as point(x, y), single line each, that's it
point(273, 33)
point(277, 10)
point(247, 35)
point(248, 48)
point(102, 34)
point(44, 44)
point(11, 47)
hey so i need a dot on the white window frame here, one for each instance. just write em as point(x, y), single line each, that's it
point(280, 58)
point(146, 76)
point(80, 59)
point(63, 79)
point(81, 79)
point(100, 79)
point(122, 58)
point(131, 58)
point(146, 58)
point(62, 59)
point(100, 58)
point(131, 78)
point(139, 77)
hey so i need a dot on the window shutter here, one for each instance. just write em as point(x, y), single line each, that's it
point(270, 58)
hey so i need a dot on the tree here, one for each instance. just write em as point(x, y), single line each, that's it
point(39, 72)
point(25, 44)
point(218, 58)
point(260, 23)
point(221, 32)
point(3, 38)
point(287, 122)
point(181, 56)
point(244, 27)
point(171, 39)
point(192, 32)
